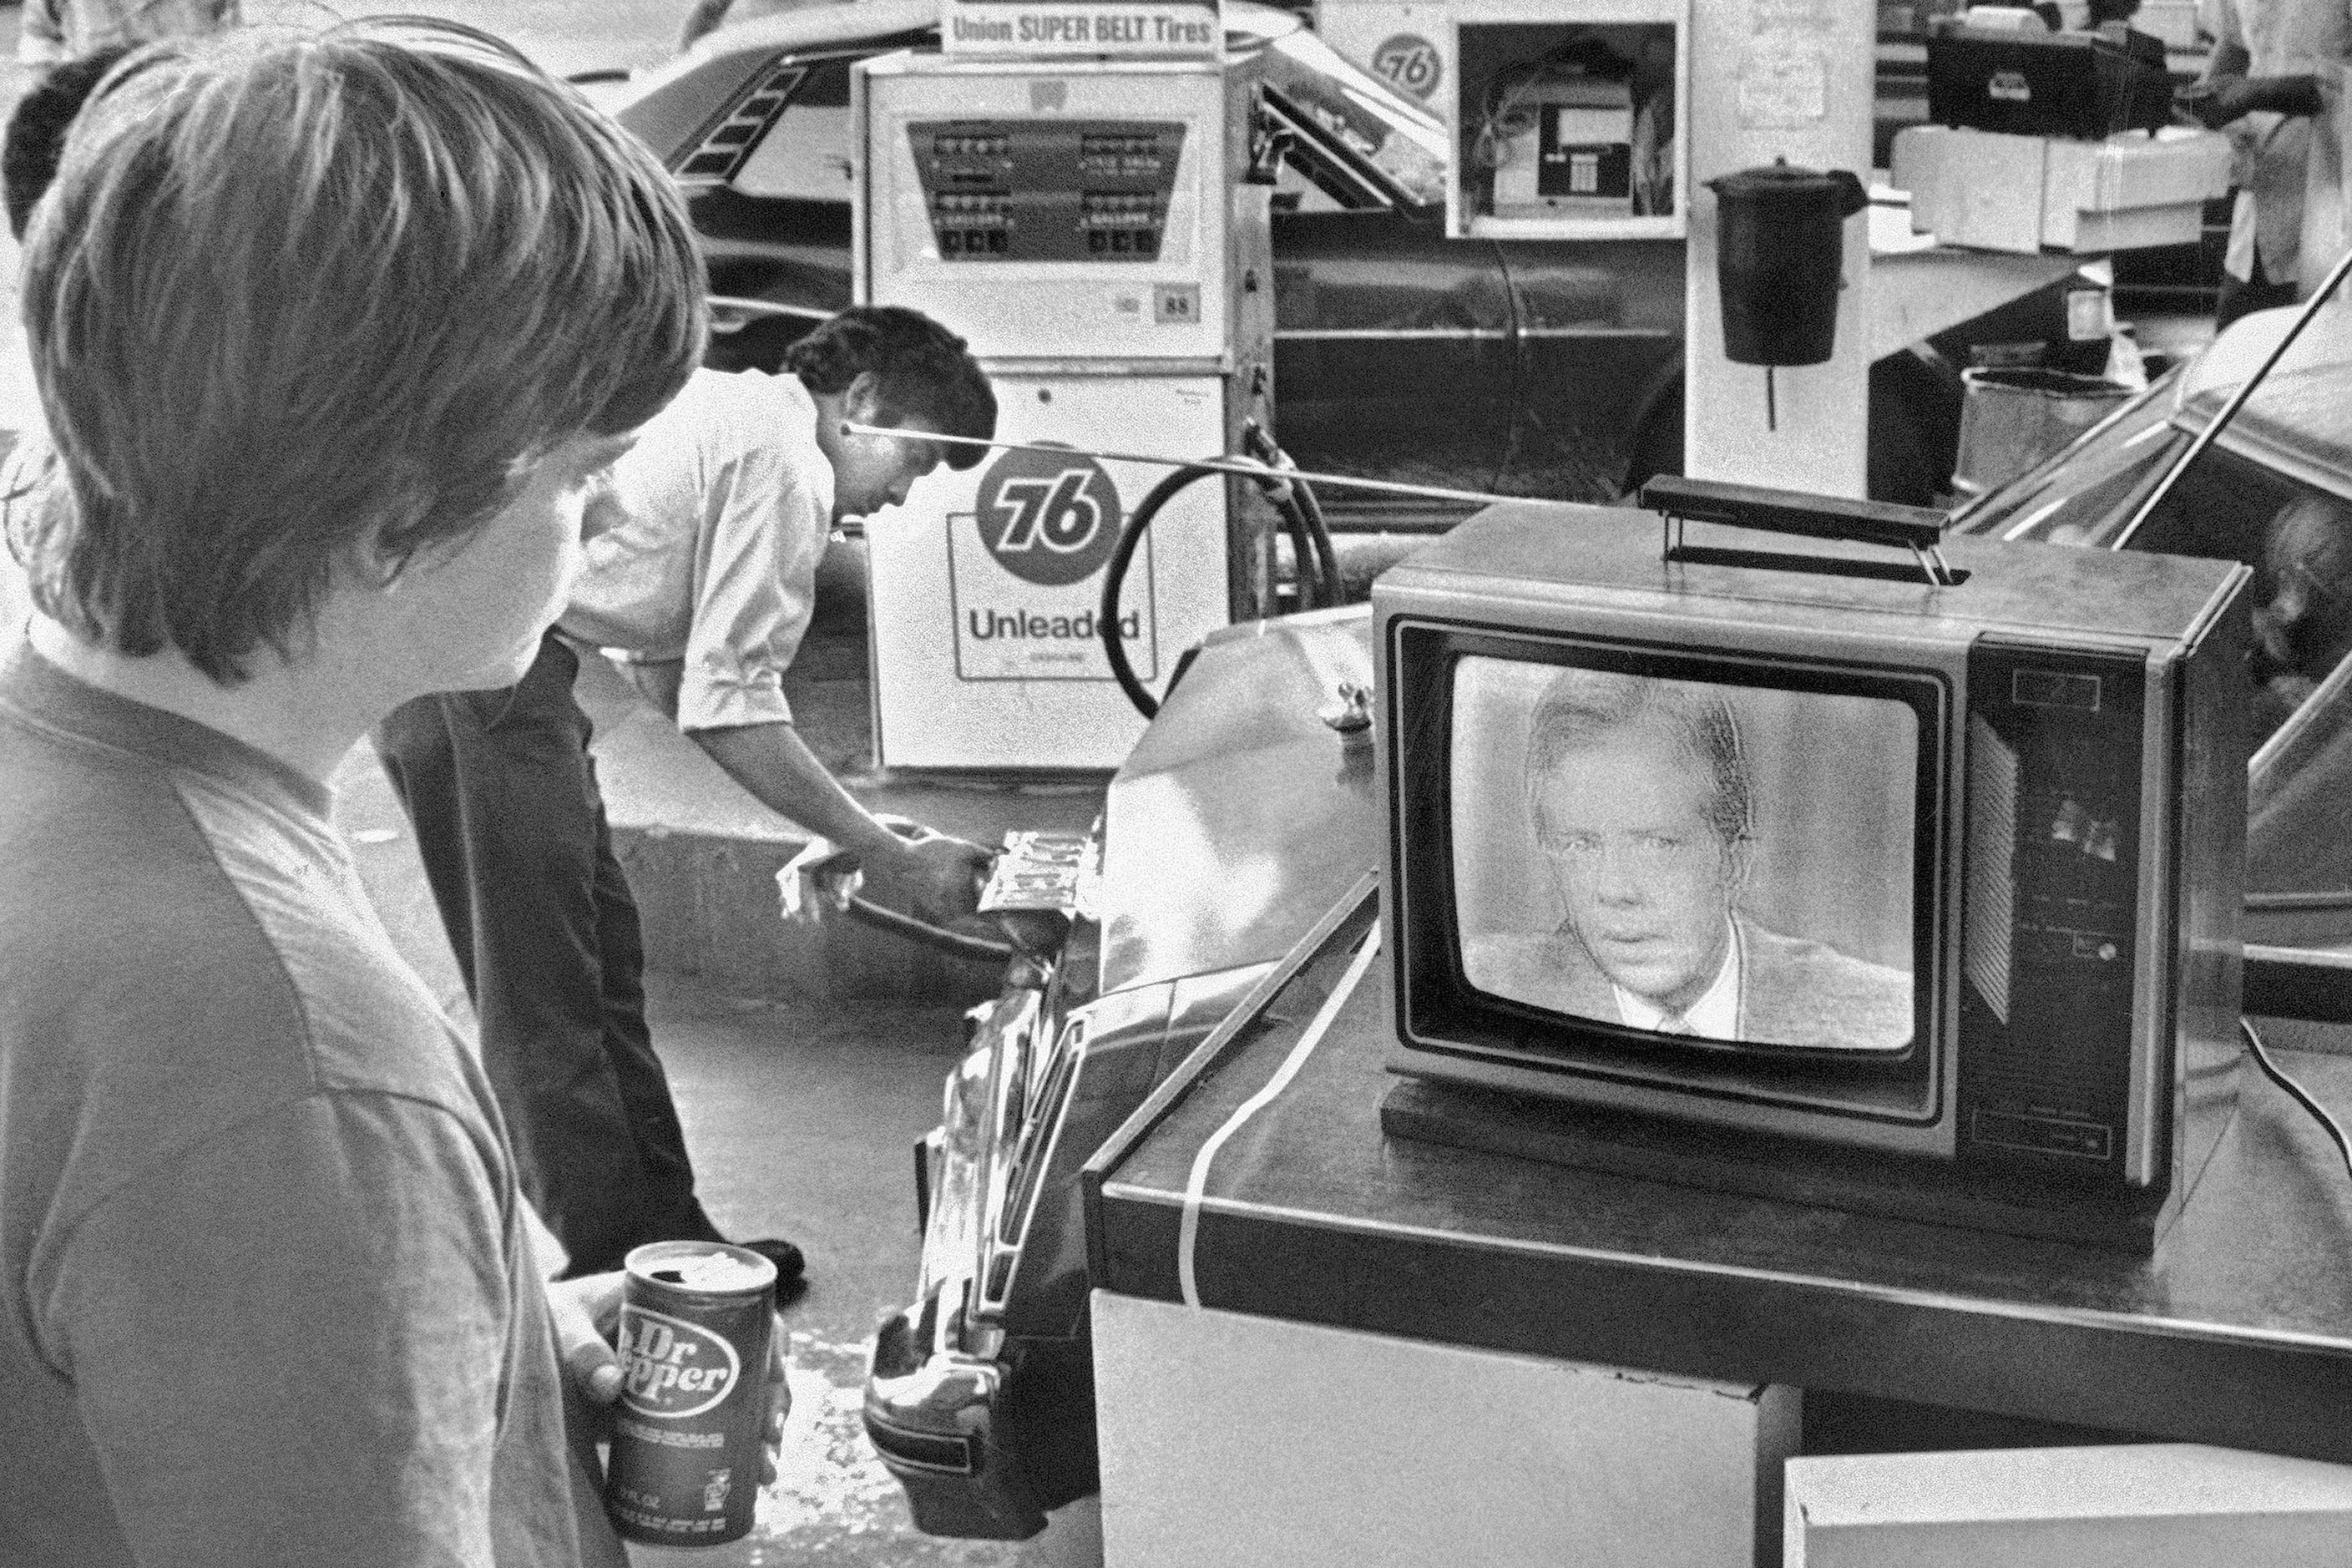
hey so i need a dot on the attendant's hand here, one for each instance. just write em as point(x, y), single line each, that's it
point(934, 878)
point(2218, 102)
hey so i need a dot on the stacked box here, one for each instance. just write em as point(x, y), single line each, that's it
point(2027, 194)
point(2170, 1505)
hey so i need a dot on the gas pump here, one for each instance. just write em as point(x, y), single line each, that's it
point(1090, 227)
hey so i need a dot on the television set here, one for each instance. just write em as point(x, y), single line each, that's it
point(1895, 883)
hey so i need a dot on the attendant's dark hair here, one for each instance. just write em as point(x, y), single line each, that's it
point(37, 130)
point(920, 370)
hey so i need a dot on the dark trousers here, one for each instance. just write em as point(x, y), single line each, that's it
point(502, 793)
point(2241, 297)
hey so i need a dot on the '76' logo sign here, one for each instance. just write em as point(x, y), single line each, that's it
point(1409, 63)
point(1048, 518)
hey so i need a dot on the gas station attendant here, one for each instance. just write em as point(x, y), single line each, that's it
point(700, 570)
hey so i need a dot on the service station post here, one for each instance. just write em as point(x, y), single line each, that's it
point(1773, 80)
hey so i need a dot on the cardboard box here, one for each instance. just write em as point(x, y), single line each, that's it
point(2024, 193)
point(1977, 189)
point(1239, 1441)
point(2090, 189)
point(2158, 1505)
point(2128, 227)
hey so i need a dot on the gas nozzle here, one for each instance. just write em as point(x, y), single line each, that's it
point(1039, 884)
point(824, 879)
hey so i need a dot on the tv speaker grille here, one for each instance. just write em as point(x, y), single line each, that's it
point(1992, 875)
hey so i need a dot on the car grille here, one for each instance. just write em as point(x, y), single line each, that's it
point(727, 146)
point(1030, 1161)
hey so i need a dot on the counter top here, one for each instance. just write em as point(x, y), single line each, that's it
point(2237, 1331)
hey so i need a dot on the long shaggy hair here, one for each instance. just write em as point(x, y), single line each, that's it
point(302, 303)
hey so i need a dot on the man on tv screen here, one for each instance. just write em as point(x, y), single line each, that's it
point(1638, 795)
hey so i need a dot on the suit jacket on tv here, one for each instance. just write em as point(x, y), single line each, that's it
point(1793, 992)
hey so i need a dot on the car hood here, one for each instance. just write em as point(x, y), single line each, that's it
point(1242, 815)
point(815, 26)
point(670, 105)
point(2239, 349)
point(852, 21)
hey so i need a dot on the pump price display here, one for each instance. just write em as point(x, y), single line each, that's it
point(1155, 29)
point(1025, 574)
point(1047, 190)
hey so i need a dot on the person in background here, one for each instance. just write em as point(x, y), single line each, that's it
point(304, 312)
point(34, 136)
point(2263, 81)
point(54, 31)
point(701, 571)
point(1652, 84)
point(2303, 628)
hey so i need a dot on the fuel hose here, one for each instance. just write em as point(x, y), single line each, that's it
point(806, 879)
point(953, 943)
point(1317, 563)
point(1304, 518)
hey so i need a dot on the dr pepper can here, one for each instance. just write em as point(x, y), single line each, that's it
point(696, 1322)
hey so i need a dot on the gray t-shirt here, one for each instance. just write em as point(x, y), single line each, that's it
point(266, 1295)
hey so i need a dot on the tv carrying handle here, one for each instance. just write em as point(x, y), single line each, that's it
point(1917, 529)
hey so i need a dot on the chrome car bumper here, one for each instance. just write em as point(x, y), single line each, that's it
point(981, 1396)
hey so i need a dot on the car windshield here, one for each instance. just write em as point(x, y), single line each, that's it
point(2275, 491)
point(1404, 143)
point(2297, 423)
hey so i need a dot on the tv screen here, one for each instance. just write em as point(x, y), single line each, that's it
point(1708, 862)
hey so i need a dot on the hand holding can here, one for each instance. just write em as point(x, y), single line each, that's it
point(696, 1343)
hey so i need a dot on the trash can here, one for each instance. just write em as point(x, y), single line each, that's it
point(1780, 251)
point(2012, 418)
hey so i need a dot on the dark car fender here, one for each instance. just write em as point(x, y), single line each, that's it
point(1915, 424)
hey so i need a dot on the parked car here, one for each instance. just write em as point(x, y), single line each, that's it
point(1250, 807)
point(2274, 490)
point(1245, 813)
point(1519, 367)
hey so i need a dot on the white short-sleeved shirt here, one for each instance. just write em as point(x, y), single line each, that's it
point(705, 545)
point(2288, 198)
